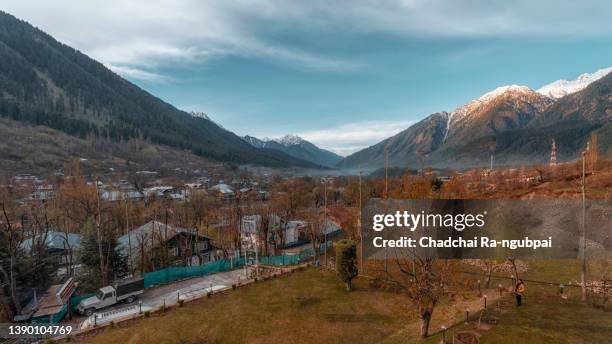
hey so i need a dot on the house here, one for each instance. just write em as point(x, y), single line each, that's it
point(185, 246)
point(115, 195)
point(223, 191)
point(249, 236)
point(43, 193)
point(60, 246)
point(158, 191)
point(295, 233)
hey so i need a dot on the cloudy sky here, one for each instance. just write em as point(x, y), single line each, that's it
point(343, 74)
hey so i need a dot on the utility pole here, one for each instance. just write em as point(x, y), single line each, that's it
point(127, 231)
point(325, 217)
point(584, 266)
point(257, 258)
point(359, 227)
point(386, 171)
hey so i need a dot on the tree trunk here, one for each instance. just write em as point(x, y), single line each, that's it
point(425, 319)
point(489, 272)
point(516, 277)
point(10, 281)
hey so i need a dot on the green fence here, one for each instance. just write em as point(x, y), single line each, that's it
point(280, 260)
point(74, 301)
point(169, 275)
point(52, 318)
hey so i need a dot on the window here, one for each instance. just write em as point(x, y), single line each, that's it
point(173, 251)
point(201, 246)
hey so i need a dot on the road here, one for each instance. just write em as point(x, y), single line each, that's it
point(169, 293)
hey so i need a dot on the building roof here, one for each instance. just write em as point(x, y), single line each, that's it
point(56, 240)
point(222, 188)
point(151, 232)
point(115, 195)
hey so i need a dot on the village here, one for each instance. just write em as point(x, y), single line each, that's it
point(76, 243)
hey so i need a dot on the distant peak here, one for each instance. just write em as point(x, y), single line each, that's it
point(560, 88)
point(200, 115)
point(290, 140)
point(486, 98)
point(505, 89)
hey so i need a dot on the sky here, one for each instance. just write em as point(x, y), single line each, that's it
point(342, 74)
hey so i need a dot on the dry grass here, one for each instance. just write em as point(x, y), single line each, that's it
point(306, 307)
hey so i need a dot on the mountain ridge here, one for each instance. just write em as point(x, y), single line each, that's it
point(296, 147)
point(492, 124)
point(45, 82)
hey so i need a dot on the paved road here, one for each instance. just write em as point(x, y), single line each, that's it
point(190, 288)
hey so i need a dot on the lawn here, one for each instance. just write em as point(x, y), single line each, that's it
point(312, 306)
point(306, 307)
point(545, 317)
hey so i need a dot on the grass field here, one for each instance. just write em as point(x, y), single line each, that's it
point(545, 317)
point(312, 307)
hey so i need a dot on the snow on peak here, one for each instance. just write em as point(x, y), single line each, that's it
point(560, 88)
point(200, 115)
point(503, 89)
point(290, 140)
point(472, 106)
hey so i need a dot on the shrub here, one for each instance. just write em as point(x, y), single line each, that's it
point(233, 286)
point(346, 261)
point(181, 302)
point(147, 314)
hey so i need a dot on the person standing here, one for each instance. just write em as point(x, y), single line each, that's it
point(519, 290)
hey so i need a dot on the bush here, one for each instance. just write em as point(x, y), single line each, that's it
point(209, 294)
point(147, 314)
point(346, 261)
point(233, 286)
point(181, 302)
point(111, 324)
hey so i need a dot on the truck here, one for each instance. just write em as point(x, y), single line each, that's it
point(125, 290)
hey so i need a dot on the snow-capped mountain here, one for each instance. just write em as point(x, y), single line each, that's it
point(560, 88)
point(200, 115)
point(514, 123)
point(296, 147)
point(504, 108)
point(291, 140)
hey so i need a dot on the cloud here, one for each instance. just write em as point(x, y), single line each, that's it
point(139, 74)
point(348, 138)
point(147, 34)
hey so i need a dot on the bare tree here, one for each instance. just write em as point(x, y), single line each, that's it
point(424, 280)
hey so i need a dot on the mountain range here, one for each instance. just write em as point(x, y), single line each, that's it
point(515, 124)
point(46, 83)
point(296, 147)
point(53, 96)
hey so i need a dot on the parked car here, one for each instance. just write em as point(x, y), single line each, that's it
point(123, 291)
